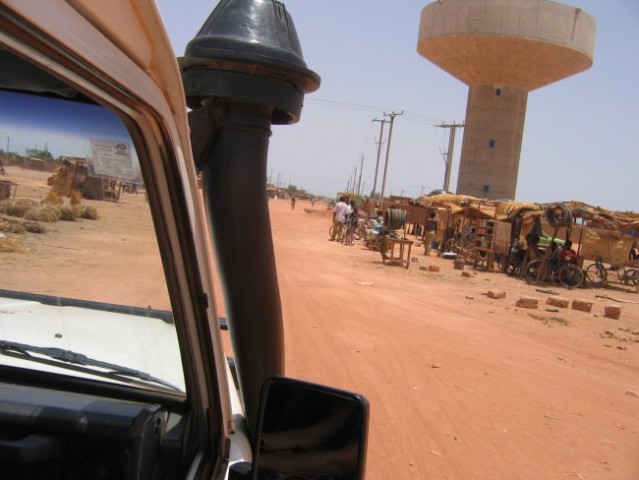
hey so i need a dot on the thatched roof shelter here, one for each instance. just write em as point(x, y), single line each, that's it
point(508, 210)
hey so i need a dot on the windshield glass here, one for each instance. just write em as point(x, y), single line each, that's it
point(80, 267)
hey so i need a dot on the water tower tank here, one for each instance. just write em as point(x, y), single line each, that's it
point(502, 49)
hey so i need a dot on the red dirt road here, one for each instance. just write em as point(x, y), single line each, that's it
point(460, 386)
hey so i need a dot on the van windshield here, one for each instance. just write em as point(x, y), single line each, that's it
point(80, 267)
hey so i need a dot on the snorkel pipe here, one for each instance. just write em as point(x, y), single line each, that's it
point(242, 73)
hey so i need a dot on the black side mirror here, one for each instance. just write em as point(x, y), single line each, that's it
point(308, 431)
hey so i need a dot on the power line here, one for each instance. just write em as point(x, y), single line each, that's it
point(411, 116)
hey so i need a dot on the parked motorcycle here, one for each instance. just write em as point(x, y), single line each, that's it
point(515, 258)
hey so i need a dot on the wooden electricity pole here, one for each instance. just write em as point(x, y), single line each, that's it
point(449, 153)
point(392, 116)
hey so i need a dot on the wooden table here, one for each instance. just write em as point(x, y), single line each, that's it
point(395, 251)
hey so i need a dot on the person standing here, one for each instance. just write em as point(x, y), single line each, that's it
point(352, 220)
point(339, 217)
point(429, 232)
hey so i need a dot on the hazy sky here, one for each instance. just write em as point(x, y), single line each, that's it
point(59, 126)
point(581, 137)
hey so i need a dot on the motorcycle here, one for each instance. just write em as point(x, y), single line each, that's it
point(515, 258)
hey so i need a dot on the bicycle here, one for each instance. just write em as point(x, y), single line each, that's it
point(463, 244)
point(360, 230)
point(596, 274)
point(349, 234)
point(541, 270)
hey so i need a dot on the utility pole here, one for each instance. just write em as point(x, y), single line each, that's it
point(354, 180)
point(379, 151)
point(361, 167)
point(449, 153)
point(392, 116)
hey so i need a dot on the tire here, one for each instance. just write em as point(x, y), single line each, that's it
point(394, 218)
point(558, 215)
point(596, 275)
point(631, 277)
point(513, 265)
point(348, 237)
point(570, 276)
point(536, 271)
point(360, 232)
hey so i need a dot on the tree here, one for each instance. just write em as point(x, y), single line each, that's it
point(293, 190)
point(37, 153)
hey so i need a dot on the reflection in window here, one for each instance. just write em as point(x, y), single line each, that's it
point(77, 213)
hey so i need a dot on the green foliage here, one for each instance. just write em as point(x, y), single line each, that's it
point(293, 190)
point(37, 153)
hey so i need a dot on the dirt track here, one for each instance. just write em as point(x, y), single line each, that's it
point(460, 386)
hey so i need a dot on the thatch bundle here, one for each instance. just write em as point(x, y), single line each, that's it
point(9, 245)
point(87, 211)
point(9, 225)
point(17, 208)
point(33, 227)
point(51, 210)
point(53, 197)
point(68, 213)
point(511, 208)
point(44, 212)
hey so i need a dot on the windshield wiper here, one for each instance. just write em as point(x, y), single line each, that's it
point(77, 361)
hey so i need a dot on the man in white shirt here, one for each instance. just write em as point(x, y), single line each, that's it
point(339, 217)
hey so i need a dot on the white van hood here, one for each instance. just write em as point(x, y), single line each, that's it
point(142, 343)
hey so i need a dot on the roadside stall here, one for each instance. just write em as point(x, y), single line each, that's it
point(610, 254)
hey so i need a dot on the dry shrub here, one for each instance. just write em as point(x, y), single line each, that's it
point(8, 245)
point(88, 212)
point(17, 208)
point(8, 225)
point(44, 213)
point(75, 197)
point(33, 227)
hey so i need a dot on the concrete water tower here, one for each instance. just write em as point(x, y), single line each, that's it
point(502, 49)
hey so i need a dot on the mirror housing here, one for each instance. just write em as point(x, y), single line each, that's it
point(307, 430)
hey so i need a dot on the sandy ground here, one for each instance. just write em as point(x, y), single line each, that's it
point(460, 386)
